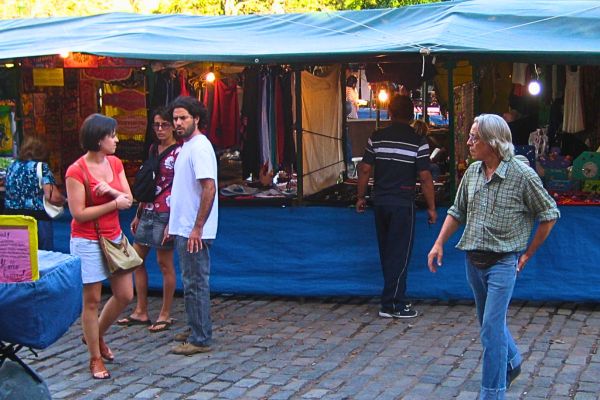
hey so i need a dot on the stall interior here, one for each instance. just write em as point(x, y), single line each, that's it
point(253, 117)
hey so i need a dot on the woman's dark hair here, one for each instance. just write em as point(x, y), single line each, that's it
point(162, 112)
point(351, 81)
point(33, 149)
point(193, 106)
point(95, 128)
point(401, 107)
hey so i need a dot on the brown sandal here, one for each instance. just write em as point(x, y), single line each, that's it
point(105, 351)
point(98, 369)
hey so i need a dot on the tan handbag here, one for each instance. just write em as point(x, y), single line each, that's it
point(120, 257)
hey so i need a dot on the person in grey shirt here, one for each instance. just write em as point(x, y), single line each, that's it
point(498, 201)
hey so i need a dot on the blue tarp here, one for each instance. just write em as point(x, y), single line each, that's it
point(36, 314)
point(332, 251)
point(565, 30)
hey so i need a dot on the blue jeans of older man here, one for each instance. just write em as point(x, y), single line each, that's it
point(195, 272)
point(493, 288)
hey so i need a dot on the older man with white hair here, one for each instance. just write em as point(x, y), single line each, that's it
point(498, 200)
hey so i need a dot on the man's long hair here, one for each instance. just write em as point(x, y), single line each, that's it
point(494, 131)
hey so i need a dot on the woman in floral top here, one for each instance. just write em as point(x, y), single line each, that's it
point(24, 196)
point(148, 227)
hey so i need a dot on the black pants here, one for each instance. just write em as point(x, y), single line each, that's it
point(395, 230)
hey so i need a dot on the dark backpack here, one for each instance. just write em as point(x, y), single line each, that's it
point(144, 186)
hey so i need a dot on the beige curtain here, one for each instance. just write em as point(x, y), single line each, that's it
point(322, 153)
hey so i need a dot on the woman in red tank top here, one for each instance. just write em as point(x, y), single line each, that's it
point(109, 193)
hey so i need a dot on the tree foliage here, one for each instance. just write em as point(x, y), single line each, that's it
point(47, 8)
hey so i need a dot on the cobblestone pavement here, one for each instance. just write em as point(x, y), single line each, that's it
point(333, 348)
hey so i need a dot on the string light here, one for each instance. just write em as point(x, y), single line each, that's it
point(210, 77)
point(382, 96)
point(534, 88)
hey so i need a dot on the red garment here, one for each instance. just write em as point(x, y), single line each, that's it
point(108, 223)
point(183, 90)
point(224, 120)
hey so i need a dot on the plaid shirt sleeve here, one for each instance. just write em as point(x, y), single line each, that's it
point(459, 208)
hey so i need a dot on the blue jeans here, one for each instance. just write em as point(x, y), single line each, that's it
point(493, 288)
point(195, 272)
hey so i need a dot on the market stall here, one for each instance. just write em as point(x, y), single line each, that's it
point(475, 36)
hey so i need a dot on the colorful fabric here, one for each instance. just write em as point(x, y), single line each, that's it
point(22, 187)
point(162, 202)
point(6, 132)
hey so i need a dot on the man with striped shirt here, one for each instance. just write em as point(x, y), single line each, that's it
point(398, 156)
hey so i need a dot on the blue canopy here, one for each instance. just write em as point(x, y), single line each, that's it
point(566, 31)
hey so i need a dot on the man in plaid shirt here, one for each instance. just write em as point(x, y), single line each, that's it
point(498, 200)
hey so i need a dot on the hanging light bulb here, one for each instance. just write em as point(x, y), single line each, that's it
point(534, 88)
point(382, 96)
point(210, 77)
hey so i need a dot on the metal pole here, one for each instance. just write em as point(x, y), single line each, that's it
point(299, 158)
point(450, 68)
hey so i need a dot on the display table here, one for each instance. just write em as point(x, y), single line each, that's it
point(36, 314)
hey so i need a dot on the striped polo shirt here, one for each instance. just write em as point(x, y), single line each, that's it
point(398, 154)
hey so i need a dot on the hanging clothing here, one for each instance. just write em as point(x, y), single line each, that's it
point(289, 146)
point(322, 116)
point(264, 132)
point(573, 105)
point(224, 118)
point(249, 124)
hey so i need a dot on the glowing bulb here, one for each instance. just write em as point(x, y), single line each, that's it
point(383, 95)
point(534, 88)
point(143, 68)
point(64, 54)
point(9, 65)
point(210, 77)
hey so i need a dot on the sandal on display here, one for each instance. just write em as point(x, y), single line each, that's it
point(130, 321)
point(160, 326)
point(105, 351)
point(98, 369)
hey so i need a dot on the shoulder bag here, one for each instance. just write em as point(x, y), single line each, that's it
point(120, 257)
point(52, 210)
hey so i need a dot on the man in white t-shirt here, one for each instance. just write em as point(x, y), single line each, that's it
point(193, 220)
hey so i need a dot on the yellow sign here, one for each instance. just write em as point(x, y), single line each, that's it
point(18, 249)
point(48, 77)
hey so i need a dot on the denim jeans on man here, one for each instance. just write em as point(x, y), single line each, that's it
point(493, 288)
point(195, 272)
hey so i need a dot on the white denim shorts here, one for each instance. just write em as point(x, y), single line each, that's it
point(93, 265)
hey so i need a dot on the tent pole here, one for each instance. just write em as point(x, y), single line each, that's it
point(299, 158)
point(346, 144)
point(452, 170)
point(424, 114)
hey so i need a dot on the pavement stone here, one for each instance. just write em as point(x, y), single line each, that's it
point(333, 348)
